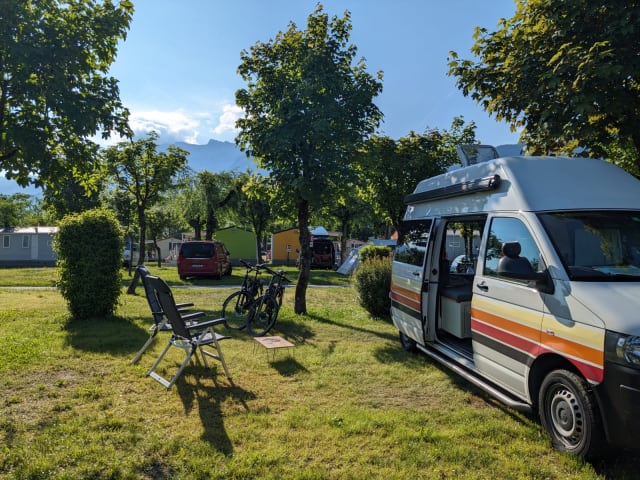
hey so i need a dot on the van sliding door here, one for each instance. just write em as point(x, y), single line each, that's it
point(408, 277)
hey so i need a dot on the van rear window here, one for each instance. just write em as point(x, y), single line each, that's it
point(198, 250)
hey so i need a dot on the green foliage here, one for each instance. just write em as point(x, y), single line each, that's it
point(89, 248)
point(20, 210)
point(143, 175)
point(391, 169)
point(368, 252)
point(307, 106)
point(566, 73)
point(373, 283)
point(55, 92)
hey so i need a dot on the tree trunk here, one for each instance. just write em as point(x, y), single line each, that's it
point(300, 306)
point(259, 258)
point(142, 246)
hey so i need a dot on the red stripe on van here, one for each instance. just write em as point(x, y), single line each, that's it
point(529, 333)
point(589, 361)
point(407, 302)
point(523, 344)
point(406, 297)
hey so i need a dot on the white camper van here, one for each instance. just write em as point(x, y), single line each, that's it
point(544, 313)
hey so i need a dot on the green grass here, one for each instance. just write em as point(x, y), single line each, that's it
point(345, 402)
point(47, 277)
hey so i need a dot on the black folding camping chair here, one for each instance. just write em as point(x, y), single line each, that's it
point(190, 338)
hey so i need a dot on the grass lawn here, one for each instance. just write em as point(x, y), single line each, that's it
point(47, 277)
point(345, 402)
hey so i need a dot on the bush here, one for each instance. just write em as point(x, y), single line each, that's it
point(89, 247)
point(373, 282)
point(373, 251)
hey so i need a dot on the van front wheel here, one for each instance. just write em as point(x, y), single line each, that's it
point(568, 411)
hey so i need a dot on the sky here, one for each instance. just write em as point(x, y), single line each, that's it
point(177, 69)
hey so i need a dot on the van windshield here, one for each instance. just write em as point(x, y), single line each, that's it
point(597, 245)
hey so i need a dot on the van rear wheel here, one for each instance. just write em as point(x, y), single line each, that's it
point(568, 411)
point(408, 343)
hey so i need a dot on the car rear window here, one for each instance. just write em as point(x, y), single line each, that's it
point(198, 250)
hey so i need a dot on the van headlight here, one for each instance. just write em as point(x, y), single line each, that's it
point(628, 349)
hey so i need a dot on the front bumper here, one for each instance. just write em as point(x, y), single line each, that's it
point(619, 400)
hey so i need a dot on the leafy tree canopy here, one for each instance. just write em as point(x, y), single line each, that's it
point(55, 92)
point(307, 106)
point(144, 174)
point(566, 72)
point(392, 169)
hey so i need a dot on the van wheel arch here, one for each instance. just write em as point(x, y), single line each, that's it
point(542, 366)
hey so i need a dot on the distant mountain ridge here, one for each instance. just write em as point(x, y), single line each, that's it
point(214, 156)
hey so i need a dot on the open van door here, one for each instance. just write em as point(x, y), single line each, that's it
point(410, 281)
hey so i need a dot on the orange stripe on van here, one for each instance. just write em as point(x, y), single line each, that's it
point(563, 345)
point(590, 361)
point(406, 297)
point(506, 324)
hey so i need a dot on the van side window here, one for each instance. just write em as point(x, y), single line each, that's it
point(509, 229)
point(414, 242)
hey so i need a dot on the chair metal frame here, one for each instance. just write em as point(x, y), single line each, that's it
point(160, 322)
point(189, 337)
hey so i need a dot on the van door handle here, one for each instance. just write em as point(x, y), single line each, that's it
point(416, 274)
point(482, 286)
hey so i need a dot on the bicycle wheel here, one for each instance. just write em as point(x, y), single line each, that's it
point(263, 316)
point(235, 310)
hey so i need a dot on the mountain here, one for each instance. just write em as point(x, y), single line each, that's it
point(214, 156)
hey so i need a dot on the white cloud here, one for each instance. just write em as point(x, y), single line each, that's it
point(227, 121)
point(182, 125)
point(171, 126)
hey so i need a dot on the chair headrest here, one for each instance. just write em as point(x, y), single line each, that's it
point(511, 249)
point(144, 271)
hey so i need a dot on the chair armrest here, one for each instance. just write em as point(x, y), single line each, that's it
point(206, 323)
point(191, 316)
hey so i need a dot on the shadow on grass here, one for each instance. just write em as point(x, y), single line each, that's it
point(115, 335)
point(208, 399)
point(383, 335)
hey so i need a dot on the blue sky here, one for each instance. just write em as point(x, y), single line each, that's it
point(178, 66)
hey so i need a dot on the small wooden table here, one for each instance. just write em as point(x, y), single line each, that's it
point(273, 343)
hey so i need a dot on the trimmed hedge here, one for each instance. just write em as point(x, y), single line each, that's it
point(89, 247)
point(373, 282)
point(373, 251)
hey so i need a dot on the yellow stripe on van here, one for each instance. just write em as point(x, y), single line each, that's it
point(571, 339)
point(525, 317)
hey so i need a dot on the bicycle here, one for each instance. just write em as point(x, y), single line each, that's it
point(266, 307)
point(238, 306)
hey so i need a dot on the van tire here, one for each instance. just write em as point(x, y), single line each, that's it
point(568, 411)
point(408, 343)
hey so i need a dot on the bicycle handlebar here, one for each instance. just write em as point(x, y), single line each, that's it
point(279, 273)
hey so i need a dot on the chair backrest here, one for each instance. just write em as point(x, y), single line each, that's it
point(150, 293)
point(169, 307)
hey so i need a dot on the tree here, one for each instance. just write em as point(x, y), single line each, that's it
point(55, 92)
point(253, 206)
point(566, 72)
point(144, 174)
point(217, 190)
point(307, 107)
point(20, 210)
point(392, 169)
